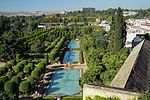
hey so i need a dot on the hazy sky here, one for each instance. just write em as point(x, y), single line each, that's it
point(60, 5)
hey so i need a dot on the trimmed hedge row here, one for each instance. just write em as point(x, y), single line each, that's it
point(54, 52)
point(52, 44)
point(73, 98)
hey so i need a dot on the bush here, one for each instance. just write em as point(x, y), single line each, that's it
point(27, 69)
point(144, 96)
point(96, 97)
point(4, 79)
point(48, 98)
point(10, 87)
point(21, 75)
point(81, 57)
point(31, 66)
point(24, 62)
point(1, 85)
point(72, 98)
point(4, 70)
point(25, 87)
point(10, 74)
point(12, 62)
point(8, 66)
point(16, 79)
point(1, 71)
point(31, 79)
point(36, 73)
point(18, 68)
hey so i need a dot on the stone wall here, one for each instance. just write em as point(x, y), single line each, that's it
point(103, 91)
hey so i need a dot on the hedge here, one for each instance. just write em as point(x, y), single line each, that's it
point(48, 98)
point(72, 98)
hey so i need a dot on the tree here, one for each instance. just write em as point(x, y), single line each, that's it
point(12, 62)
point(11, 90)
point(4, 70)
point(118, 33)
point(21, 75)
point(33, 24)
point(31, 79)
point(1, 71)
point(25, 87)
point(18, 68)
point(10, 74)
point(27, 69)
point(144, 96)
point(1, 85)
point(92, 75)
point(4, 79)
point(36, 73)
point(9, 65)
point(10, 87)
point(24, 62)
point(16, 79)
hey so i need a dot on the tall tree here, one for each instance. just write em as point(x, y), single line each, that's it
point(118, 33)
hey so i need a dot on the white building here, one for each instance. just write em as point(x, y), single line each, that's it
point(87, 9)
point(105, 25)
point(136, 27)
point(129, 13)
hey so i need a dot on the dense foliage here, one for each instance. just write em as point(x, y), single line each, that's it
point(144, 96)
point(101, 98)
point(102, 64)
point(118, 33)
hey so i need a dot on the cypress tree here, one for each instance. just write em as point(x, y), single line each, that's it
point(117, 36)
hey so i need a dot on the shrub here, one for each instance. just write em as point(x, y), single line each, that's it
point(47, 98)
point(144, 96)
point(10, 74)
point(1, 85)
point(31, 79)
point(10, 87)
point(31, 66)
point(8, 66)
point(36, 73)
point(72, 98)
point(4, 79)
point(25, 87)
point(27, 69)
point(12, 62)
point(16, 79)
point(21, 75)
point(18, 68)
point(24, 62)
point(5, 70)
point(1, 71)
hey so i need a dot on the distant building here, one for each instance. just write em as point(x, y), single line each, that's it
point(129, 13)
point(136, 27)
point(63, 12)
point(88, 9)
point(104, 24)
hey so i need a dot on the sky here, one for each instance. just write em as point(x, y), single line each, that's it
point(69, 5)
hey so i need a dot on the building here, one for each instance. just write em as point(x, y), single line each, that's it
point(104, 24)
point(135, 28)
point(129, 13)
point(88, 9)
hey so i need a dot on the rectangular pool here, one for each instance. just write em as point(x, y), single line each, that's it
point(71, 57)
point(65, 82)
point(73, 44)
